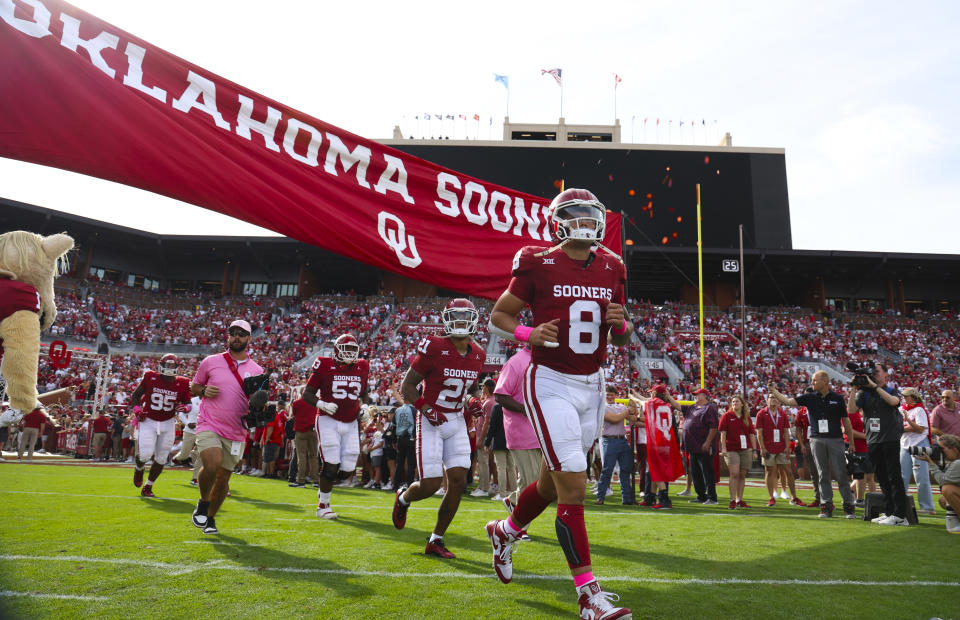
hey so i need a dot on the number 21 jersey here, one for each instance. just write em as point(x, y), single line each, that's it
point(341, 384)
point(559, 287)
point(447, 374)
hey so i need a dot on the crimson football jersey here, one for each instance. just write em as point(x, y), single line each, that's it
point(340, 383)
point(447, 374)
point(16, 296)
point(160, 396)
point(558, 287)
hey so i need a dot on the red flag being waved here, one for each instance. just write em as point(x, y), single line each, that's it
point(663, 449)
point(83, 95)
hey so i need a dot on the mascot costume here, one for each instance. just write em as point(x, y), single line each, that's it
point(28, 265)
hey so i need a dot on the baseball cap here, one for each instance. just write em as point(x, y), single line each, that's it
point(701, 391)
point(911, 391)
point(242, 325)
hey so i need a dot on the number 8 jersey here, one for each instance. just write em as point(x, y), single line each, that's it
point(559, 287)
point(447, 374)
point(340, 383)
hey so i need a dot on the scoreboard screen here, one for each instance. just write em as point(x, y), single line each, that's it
point(655, 189)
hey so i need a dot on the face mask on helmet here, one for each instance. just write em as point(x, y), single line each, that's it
point(460, 321)
point(168, 366)
point(346, 351)
point(579, 220)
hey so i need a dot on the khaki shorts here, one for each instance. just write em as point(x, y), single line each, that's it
point(776, 459)
point(209, 439)
point(739, 458)
point(99, 439)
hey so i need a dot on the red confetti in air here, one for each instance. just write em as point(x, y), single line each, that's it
point(649, 195)
point(610, 176)
point(632, 192)
point(558, 183)
point(674, 235)
point(629, 242)
point(664, 241)
point(706, 160)
point(679, 219)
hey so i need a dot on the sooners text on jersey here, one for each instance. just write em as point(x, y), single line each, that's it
point(160, 396)
point(446, 373)
point(341, 384)
point(558, 287)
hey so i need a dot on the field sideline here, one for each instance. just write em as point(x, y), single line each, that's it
point(89, 545)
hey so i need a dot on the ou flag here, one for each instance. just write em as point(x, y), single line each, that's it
point(663, 451)
point(82, 95)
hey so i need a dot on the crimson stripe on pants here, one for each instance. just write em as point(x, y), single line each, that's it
point(535, 415)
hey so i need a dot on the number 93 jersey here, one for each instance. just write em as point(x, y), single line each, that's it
point(340, 383)
point(160, 396)
point(447, 374)
point(558, 287)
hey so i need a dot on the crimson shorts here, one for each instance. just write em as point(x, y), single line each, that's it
point(566, 412)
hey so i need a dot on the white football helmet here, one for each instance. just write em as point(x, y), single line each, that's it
point(577, 214)
point(460, 318)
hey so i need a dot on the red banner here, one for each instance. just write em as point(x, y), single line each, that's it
point(83, 95)
point(663, 450)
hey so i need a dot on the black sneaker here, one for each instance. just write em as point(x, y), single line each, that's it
point(696, 500)
point(849, 512)
point(200, 514)
point(210, 527)
point(826, 510)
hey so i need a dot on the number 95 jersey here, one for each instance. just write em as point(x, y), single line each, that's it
point(161, 396)
point(558, 287)
point(447, 374)
point(341, 384)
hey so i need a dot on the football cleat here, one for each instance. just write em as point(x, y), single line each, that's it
point(137, 477)
point(509, 505)
point(147, 491)
point(10, 417)
point(325, 512)
point(399, 510)
point(502, 550)
point(438, 549)
point(595, 603)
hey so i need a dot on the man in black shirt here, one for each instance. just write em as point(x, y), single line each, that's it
point(884, 425)
point(828, 422)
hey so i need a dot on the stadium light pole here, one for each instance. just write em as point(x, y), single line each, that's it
point(743, 324)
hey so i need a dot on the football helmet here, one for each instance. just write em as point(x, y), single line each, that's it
point(346, 349)
point(460, 318)
point(169, 364)
point(573, 211)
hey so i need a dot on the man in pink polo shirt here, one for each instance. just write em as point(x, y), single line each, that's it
point(221, 436)
point(522, 441)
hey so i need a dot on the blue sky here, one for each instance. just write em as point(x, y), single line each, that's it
point(863, 96)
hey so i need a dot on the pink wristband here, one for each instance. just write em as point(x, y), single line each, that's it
point(522, 333)
point(620, 330)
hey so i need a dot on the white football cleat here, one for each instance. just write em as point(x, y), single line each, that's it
point(595, 604)
point(10, 417)
point(325, 512)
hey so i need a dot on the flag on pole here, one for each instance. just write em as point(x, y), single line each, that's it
point(426, 116)
point(681, 123)
point(616, 81)
point(556, 73)
point(658, 122)
point(503, 79)
point(645, 120)
point(663, 451)
point(462, 116)
point(476, 117)
point(451, 117)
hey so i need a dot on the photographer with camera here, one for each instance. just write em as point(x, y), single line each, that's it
point(226, 405)
point(945, 466)
point(884, 426)
point(828, 422)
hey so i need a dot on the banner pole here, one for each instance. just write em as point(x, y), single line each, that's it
point(700, 276)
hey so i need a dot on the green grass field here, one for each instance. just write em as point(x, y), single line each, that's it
point(80, 542)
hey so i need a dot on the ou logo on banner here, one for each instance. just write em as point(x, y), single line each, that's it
point(58, 355)
point(397, 239)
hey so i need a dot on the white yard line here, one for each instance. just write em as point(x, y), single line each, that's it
point(65, 597)
point(221, 565)
point(219, 542)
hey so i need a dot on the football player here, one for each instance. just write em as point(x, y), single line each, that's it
point(576, 292)
point(447, 366)
point(336, 388)
point(158, 398)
